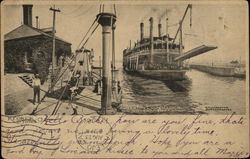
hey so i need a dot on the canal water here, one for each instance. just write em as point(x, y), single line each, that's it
point(202, 93)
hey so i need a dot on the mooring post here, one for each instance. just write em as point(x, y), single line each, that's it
point(106, 20)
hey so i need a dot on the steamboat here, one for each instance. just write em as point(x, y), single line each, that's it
point(160, 57)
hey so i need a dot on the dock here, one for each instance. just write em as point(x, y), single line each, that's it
point(86, 103)
point(225, 71)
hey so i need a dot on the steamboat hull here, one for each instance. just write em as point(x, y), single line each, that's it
point(163, 75)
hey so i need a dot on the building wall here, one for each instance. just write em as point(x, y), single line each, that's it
point(40, 47)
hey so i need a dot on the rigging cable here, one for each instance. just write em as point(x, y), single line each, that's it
point(100, 9)
point(114, 9)
point(103, 8)
point(54, 84)
point(84, 12)
point(58, 101)
point(73, 10)
point(89, 36)
point(96, 19)
point(73, 91)
point(57, 105)
point(191, 16)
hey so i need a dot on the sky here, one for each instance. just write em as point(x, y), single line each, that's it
point(221, 25)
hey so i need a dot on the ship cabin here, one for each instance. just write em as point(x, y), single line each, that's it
point(163, 53)
point(153, 52)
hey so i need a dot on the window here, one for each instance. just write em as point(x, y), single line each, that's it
point(81, 63)
point(29, 56)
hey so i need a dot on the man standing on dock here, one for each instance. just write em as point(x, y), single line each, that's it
point(36, 88)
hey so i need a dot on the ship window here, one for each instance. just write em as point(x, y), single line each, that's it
point(174, 46)
point(81, 63)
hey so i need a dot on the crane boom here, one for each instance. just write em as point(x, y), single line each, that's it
point(189, 6)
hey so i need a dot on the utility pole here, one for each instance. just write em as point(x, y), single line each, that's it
point(113, 56)
point(54, 45)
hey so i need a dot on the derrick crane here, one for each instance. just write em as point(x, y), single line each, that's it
point(180, 26)
point(195, 51)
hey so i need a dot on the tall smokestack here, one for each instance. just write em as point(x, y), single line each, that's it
point(159, 29)
point(168, 60)
point(27, 14)
point(142, 30)
point(37, 22)
point(151, 21)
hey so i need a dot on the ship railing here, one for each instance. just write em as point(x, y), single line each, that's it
point(161, 67)
point(172, 51)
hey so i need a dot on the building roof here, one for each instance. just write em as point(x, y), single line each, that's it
point(25, 31)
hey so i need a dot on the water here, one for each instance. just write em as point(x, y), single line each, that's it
point(201, 94)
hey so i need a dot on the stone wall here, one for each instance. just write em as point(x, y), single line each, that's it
point(41, 51)
point(215, 70)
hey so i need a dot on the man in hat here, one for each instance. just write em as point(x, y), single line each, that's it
point(36, 87)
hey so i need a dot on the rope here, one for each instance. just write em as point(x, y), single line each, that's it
point(114, 9)
point(58, 101)
point(88, 31)
point(73, 93)
point(100, 9)
point(73, 10)
point(76, 85)
point(90, 36)
point(72, 59)
point(190, 16)
point(84, 12)
point(71, 97)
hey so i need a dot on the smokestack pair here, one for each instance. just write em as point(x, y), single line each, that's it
point(151, 28)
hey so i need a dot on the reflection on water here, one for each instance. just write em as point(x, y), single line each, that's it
point(202, 93)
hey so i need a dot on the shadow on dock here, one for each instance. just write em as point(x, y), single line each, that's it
point(86, 106)
point(66, 95)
